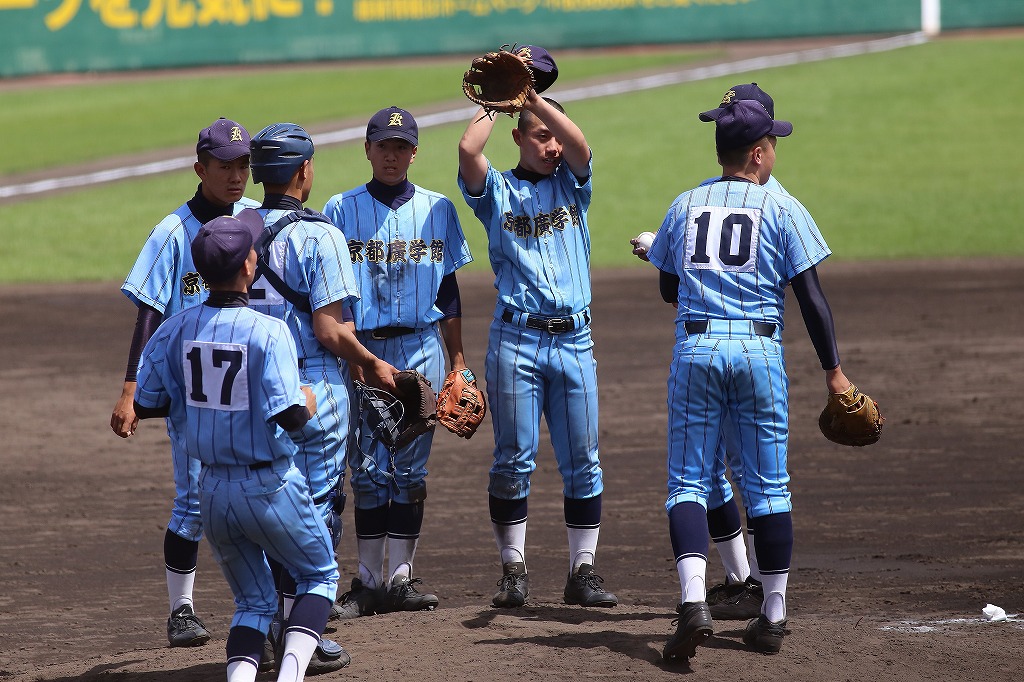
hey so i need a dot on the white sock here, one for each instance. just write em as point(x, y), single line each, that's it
point(755, 573)
point(241, 671)
point(371, 561)
point(400, 555)
point(734, 558)
point(774, 608)
point(298, 649)
point(692, 572)
point(582, 546)
point(511, 542)
point(179, 588)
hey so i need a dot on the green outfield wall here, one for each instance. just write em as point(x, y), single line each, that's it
point(49, 36)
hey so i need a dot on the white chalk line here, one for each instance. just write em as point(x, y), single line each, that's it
point(463, 113)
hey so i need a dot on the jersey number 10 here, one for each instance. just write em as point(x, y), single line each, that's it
point(735, 231)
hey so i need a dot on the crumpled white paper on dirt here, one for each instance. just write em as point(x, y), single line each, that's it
point(993, 613)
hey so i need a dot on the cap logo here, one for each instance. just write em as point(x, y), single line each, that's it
point(395, 120)
point(525, 52)
point(728, 97)
point(236, 134)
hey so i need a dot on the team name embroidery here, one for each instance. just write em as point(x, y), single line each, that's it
point(398, 251)
point(395, 120)
point(542, 224)
point(192, 284)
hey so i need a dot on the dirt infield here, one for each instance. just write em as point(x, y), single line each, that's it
point(898, 546)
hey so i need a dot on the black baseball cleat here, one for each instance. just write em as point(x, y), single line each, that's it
point(185, 629)
point(693, 627)
point(765, 636)
point(359, 601)
point(514, 586)
point(584, 588)
point(736, 601)
point(403, 596)
point(327, 657)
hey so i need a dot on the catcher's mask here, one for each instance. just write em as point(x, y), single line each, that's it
point(380, 414)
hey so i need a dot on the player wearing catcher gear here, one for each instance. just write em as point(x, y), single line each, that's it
point(305, 279)
point(726, 252)
point(226, 377)
point(162, 283)
point(741, 595)
point(540, 357)
point(405, 244)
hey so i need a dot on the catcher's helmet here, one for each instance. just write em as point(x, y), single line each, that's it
point(277, 151)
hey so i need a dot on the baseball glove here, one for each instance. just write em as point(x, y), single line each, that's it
point(851, 418)
point(499, 81)
point(397, 419)
point(460, 404)
point(420, 404)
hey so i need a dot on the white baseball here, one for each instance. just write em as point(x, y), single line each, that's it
point(644, 240)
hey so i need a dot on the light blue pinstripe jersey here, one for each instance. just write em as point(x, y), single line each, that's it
point(226, 372)
point(310, 258)
point(399, 255)
point(735, 246)
point(772, 185)
point(163, 276)
point(538, 239)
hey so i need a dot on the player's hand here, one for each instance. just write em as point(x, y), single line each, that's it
point(310, 399)
point(836, 380)
point(380, 374)
point(123, 421)
point(641, 244)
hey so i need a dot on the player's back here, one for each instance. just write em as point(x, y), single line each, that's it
point(735, 246)
point(312, 260)
point(227, 367)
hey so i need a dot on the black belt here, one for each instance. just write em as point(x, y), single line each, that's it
point(330, 494)
point(302, 362)
point(381, 333)
point(552, 325)
point(701, 326)
point(260, 465)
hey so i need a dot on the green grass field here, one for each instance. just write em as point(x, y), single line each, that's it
point(893, 153)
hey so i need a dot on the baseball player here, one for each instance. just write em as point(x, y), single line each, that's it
point(540, 357)
point(726, 252)
point(226, 377)
point(741, 595)
point(305, 278)
point(405, 244)
point(162, 283)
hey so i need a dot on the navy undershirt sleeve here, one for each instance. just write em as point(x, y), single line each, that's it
point(146, 323)
point(449, 301)
point(817, 317)
point(292, 418)
point(669, 285)
point(143, 412)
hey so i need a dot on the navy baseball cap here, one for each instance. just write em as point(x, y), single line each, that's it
point(738, 92)
point(392, 122)
point(224, 139)
point(744, 122)
point(223, 244)
point(543, 66)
